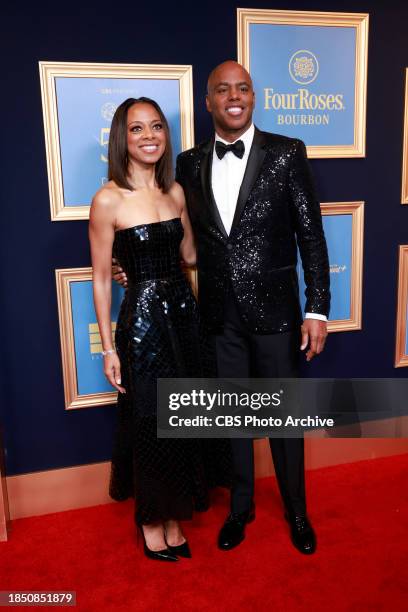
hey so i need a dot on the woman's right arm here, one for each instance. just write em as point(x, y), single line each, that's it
point(101, 236)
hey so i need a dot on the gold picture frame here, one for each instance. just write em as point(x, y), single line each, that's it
point(404, 186)
point(73, 398)
point(356, 210)
point(359, 21)
point(4, 503)
point(50, 71)
point(70, 348)
point(401, 349)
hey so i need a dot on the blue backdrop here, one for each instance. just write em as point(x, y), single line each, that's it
point(85, 108)
point(90, 377)
point(332, 52)
point(338, 232)
point(39, 433)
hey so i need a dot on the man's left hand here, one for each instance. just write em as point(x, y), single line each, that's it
point(314, 334)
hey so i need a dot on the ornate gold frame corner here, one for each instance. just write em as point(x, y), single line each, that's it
point(49, 71)
point(73, 399)
point(404, 185)
point(401, 357)
point(356, 209)
point(360, 21)
point(5, 524)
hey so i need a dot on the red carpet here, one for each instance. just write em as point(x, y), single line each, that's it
point(358, 510)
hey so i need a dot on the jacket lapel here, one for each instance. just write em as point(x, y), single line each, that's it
point(205, 171)
point(255, 160)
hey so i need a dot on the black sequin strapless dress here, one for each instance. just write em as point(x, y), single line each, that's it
point(157, 336)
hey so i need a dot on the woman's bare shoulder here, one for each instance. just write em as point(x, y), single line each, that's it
point(176, 192)
point(105, 204)
point(108, 196)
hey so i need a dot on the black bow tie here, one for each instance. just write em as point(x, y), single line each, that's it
point(238, 149)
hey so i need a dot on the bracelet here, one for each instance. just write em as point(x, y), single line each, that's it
point(108, 352)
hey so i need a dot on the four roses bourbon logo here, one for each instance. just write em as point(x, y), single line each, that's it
point(303, 67)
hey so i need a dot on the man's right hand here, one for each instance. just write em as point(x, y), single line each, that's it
point(118, 274)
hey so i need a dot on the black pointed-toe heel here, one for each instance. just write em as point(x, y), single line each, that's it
point(157, 555)
point(182, 550)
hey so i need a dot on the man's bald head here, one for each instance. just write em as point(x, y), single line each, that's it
point(230, 99)
point(229, 67)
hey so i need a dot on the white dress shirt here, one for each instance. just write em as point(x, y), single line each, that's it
point(226, 178)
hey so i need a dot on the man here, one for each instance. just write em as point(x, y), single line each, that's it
point(251, 202)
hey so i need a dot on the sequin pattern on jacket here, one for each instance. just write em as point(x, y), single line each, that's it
point(277, 210)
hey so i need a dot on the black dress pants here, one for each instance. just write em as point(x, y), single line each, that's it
point(241, 354)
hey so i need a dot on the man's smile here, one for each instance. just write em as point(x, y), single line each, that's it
point(235, 111)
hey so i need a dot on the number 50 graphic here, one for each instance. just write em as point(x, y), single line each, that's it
point(104, 142)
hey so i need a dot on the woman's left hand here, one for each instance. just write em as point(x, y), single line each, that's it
point(111, 370)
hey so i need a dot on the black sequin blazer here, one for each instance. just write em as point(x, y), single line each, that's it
point(277, 208)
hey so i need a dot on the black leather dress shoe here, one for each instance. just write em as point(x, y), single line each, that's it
point(302, 534)
point(233, 531)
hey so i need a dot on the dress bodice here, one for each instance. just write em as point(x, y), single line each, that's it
point(150, 251)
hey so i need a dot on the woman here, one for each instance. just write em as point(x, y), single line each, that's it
point(140, 218)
